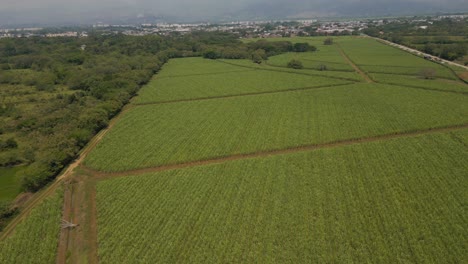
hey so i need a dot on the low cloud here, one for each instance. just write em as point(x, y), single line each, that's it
point(88, 11)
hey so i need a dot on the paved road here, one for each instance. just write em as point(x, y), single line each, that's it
point(417, 52)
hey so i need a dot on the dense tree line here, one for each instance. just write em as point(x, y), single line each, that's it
point(256, 51)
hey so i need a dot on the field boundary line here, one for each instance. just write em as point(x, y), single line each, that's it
point(423, 88)
point(356, 68)
point(321, 61)
point(312, 69)
point(242, 95)
point(101, 175)
point(201, 74)
point(409, 74)
point(290, 71)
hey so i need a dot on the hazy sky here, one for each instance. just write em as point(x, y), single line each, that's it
point(15, 11)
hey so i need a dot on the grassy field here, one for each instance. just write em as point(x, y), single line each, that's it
point(10, 183)
point(35, 239)
point(234, 83)
point(180, 132)
point(395, 201)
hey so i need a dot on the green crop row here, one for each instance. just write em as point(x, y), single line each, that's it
point(396, 201)
point(35, 239)
point(409, 71)
point(340, 75)
point(413, 81)
point(156, 135)
point(234, 83)
point(373, 56)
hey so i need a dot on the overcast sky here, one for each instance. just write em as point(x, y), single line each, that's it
point(27, 11)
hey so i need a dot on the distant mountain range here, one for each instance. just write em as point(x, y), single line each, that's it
point(247, 10)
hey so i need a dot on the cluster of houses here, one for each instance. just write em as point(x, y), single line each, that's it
point(252, 29)
point(245, 29)
point(38, 32)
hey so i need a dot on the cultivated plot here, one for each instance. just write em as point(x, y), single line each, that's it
point(328, 58)
point(175, 133)
point(375, 57)
point(226, 84)
point(399, 200)
point(340, 75)
point(413, 81)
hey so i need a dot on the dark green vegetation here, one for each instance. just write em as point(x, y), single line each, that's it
point(446, 39)
point(396, 201)
point(35, 239)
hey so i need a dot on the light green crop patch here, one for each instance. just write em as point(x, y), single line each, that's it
point(366, 203)
point(156, 135)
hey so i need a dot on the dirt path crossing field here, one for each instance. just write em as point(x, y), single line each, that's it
point(99, 175)
point(356, 68)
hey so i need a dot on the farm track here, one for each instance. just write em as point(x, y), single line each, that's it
point(358, 70)
point(100, 175)
point(245, 94)
point(66, 215)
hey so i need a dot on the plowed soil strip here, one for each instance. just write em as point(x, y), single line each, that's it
point(244, 94)
point(106, 175)
point(358, 70)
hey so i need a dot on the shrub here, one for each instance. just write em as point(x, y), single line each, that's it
point(295, 64)
point(328, 41)
point(322, 67)
point(427, 73)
